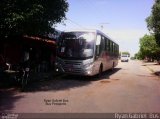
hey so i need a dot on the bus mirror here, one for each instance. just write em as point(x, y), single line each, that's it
point(98, 41)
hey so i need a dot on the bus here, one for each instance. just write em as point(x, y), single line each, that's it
point(124, 58)
point(85, 52)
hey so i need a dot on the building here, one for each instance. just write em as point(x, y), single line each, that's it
point(40, 51)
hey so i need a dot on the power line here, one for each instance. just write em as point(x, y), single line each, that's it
point(76, 23)
point(102, 25)
point(87, 3)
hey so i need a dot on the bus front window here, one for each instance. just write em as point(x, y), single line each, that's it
point(76, 45)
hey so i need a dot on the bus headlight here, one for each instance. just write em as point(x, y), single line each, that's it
point(89, 72)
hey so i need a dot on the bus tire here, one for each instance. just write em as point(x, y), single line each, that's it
point(100, 71)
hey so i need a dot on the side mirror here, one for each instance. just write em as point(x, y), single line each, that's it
point(98, 41)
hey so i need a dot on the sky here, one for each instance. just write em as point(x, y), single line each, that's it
point(121, 20)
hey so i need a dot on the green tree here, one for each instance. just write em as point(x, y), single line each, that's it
point(31, 17)
point(125, 53)
point(153, 21)
point(139, 56)
point(136, 56)
point(149, 48)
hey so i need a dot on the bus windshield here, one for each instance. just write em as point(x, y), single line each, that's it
point(124, 56)
point(76, 45)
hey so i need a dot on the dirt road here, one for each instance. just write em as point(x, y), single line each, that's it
point(129, 88)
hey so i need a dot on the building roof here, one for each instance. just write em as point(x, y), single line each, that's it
point(44, 41)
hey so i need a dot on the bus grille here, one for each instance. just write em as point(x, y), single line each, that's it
point(74, 67)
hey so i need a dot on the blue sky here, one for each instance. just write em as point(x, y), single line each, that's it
point(122, 20)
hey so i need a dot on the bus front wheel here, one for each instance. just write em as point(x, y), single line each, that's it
point(100, 71)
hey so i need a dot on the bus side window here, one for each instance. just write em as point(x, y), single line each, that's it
point(116, 52)
point(102, 46)
point(97, 50)
point(98, 46)
point(107, 44)
point(111, 46)
point(115, 49)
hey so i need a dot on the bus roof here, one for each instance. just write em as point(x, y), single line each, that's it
point(91, 30)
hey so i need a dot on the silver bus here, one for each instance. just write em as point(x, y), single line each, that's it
point(85, 52)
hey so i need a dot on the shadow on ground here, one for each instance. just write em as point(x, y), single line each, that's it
point(105, 75)
point(7, 81)
point(150, 63)
point(8, 97)
point(64, 82)
point(157, 73)
point(11, 94)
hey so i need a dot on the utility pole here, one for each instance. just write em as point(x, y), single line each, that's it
point(102, 25)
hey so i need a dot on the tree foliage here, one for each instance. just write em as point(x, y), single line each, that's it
point(148, 48)
point(125, 53)
point(153, 21)
point(32, 17)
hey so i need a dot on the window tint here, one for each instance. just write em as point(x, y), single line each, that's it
point(102, 43)
point(111, 46)
point(107, 44)
point(113, 50)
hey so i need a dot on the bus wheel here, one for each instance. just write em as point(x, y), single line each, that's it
point(100, 71)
